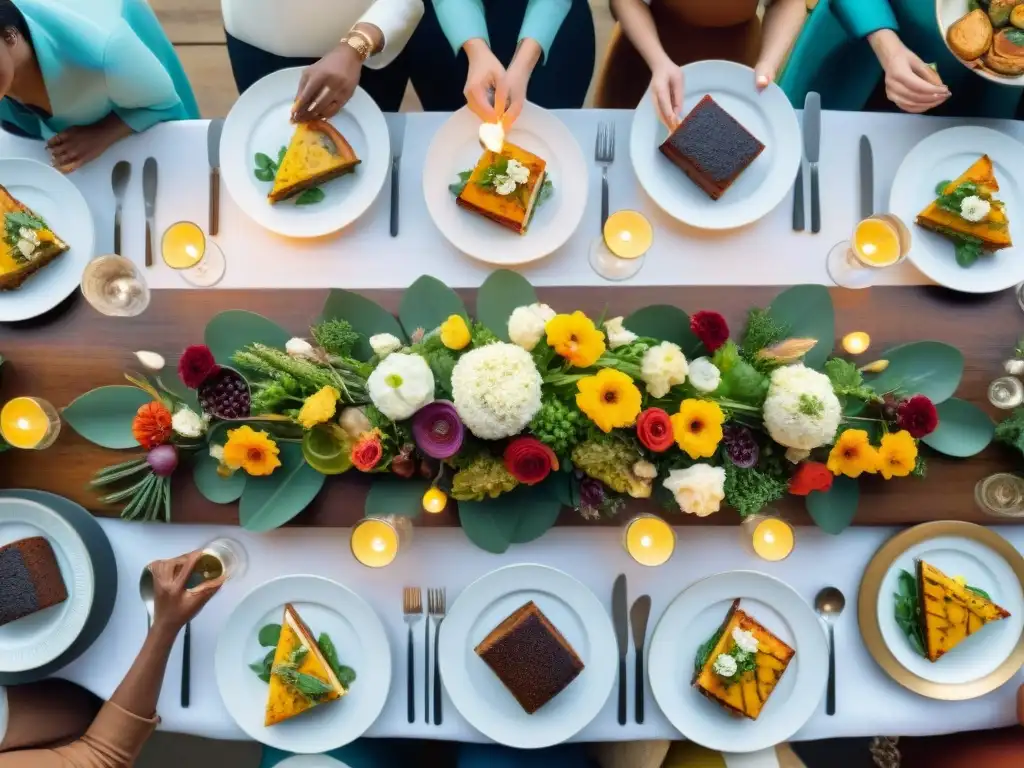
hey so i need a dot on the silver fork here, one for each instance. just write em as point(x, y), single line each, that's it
point(436, 603)
point(604, 154)
point(412, 607)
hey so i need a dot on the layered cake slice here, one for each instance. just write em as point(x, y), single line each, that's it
point(711, 147)
point(530, 656)
point(992, 230)
point(950, 611)
point(504, 187)
point(29, 243)
point(317, 153)
point(30, 579)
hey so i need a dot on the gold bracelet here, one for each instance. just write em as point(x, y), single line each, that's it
point(360, 43)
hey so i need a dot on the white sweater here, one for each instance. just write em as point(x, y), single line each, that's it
point(311, 28)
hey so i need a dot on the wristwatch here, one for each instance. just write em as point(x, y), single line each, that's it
point(360, 42)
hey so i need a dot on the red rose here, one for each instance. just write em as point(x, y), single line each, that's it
point(367, 452)
point(918, 416)
point(654, 430)
point(711, 329)
point(528, 460)
point(196, 365)
point(810, 476)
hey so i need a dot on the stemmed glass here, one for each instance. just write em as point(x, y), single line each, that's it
point(197, 258)
point(878, 242)
point(114, 286)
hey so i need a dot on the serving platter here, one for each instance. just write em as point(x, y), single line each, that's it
point(947, 13)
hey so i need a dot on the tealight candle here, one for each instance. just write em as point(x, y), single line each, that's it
point(376, 541)
point(29, 423)
point(628, 234)
point(435, 500)
point(771, 537)
point(492, 136)
point(877, 243)
point(183, 245)
point(649, 540)
point(856, 343)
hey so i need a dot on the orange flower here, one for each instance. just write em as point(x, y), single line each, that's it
point(152, 425)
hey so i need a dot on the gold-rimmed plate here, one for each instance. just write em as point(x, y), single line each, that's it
point(986, 560)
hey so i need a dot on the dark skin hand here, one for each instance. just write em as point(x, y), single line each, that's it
point(327, 86)
point(78, 145)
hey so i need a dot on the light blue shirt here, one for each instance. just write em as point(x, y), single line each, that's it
point(463, 20)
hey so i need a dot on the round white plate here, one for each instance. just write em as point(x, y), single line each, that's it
point(38, 639)
point(768, 115)
point(51, 195)
point(977, 656)
point(694, 616)
point(362, 644)
point(260, 121)
point(943, 156)
point(477, 692)
point(456, 148)
point(947, 13)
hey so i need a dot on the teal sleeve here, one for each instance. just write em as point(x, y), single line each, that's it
point(138, 85)
point(862, 17)
point(542, 20)
point(21, 118)
point(461, 20)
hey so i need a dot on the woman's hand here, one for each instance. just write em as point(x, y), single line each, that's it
point(175, 603)
point(910, 84)
point(765, 73)
point(76, 146)
point(667, 89)
point(485, 76)
point(512, 89)
point(327, 86)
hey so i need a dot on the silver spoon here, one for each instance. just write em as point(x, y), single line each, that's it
point(829, 604)
point(119, 179)
point(146, 592)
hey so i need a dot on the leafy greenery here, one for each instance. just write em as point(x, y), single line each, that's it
point(1011, 431)
point(952, 201)
point(266, 170)
point(14, 222)
point(346, 376)
point(307, 685)
point(558, 424)
point(762, 331)
point(846, 380)
point(458, 186)
point(487, 180)
point(908, 611)
point(748, 491)
point(337, 336)
point(979, 592)
point(740, 380)
point(704, 651)
point(481, 335)
point(940, 188)
point(263, 667)
point(310, 196)
point(270, 635)
point(312, 688)
point(346, 675)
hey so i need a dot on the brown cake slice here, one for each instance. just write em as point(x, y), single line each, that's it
point(30, 579)
point(711, 147)
point(530, 656)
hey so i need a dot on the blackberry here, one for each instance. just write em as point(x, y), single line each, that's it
point(225, 394)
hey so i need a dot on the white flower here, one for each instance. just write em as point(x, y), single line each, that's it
point(354, 422)
point(517, 172)
point(401, 385)
point(725, 665)
point(645, 470)
point(617, 334)
point(29, 234)
point(496, 390)
point(1014, 367)
point(974, 208)
point(801, 410)
point(699, 490)
point(745, 640)
point(383, 344)
point(217, 452)
point(526, 324)
point(151, 361)
point(27, 248)
point(504, 185)
point(662, 368)
point(187, 422)
point(704, 375)
point(796, 455)
point(300, 349)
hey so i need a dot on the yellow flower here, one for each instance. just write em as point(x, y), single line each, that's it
point(897, 455)
point(698, 427)
point(610, 399)
point(853, 454)
point(252, 451)
point(455, 333)
point(319, 408)
point(575, 338)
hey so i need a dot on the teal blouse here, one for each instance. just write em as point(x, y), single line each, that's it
point(98, 57)
point(463, 20)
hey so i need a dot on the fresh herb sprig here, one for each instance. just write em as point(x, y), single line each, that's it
point(908, 611)
point(266, 170)
point(704, 651)
point(270, 635)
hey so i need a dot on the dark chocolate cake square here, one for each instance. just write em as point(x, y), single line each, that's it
point(711, 147)
point(30, 579)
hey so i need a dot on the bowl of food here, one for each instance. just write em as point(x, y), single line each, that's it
point(986, 35)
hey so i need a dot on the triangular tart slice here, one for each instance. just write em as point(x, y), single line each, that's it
point(993, 230)
point(317, 153)
point(950, 613)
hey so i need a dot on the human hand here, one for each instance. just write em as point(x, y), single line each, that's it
point(765, 73)
point(512, 88)
point(484, 77)
point(667, 88)
point(910, 84)
point(76, 146)
point(327, 85)
point(174, 603)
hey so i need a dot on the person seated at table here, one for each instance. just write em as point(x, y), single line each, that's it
point(51, 725)
point(84, 74)
point(654, 38)
point(888, 55)
point(342, 45)
point(506, 51)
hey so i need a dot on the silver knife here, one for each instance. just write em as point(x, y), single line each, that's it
point(149, 197)
point(638, 616)
point(620, 619)
point(396, 130)
point(213, 150)
point(812, 149)
point(867, 179)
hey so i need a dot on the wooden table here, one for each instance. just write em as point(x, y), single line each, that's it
point(75, 349)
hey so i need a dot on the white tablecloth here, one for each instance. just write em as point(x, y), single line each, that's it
point(868, 702)
point(365, 256)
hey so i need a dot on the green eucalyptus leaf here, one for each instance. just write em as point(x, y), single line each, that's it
point(539, 507)
point(833, 511)
point(310, 196)
point(395, 496)
point(928, 368)
point(498, 297)
point(104, 416)
point(666, 323)
point(270, 502)
point(269, 635)
point(234, 329)
point(427, 303)
point(219, 490)
point(964, 429)
point(807, 312)
point(367, 317)
point(170, 382)
point(517, 517)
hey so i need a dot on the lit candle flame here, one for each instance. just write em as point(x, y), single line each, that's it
point(646, 541)
point(492, 136)
point(378, 545)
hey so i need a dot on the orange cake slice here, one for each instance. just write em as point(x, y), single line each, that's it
point(993, 230)
point(950, 612)
point(511, 210)
point(317, 153)
point(29, 243)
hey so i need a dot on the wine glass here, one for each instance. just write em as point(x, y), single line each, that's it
point(198, 260)
point(878, 242)
point(114, 286)
point(619, 253)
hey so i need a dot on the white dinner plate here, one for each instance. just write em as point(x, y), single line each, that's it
point(456, 148)
point(768, 116)
point(260, 121)
point(51, 195)
point(362, 644)
point(693, 617)
point(979, 655)
point(38, 639)
point(947, 13)
point(944, 156)
point(480, 696)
